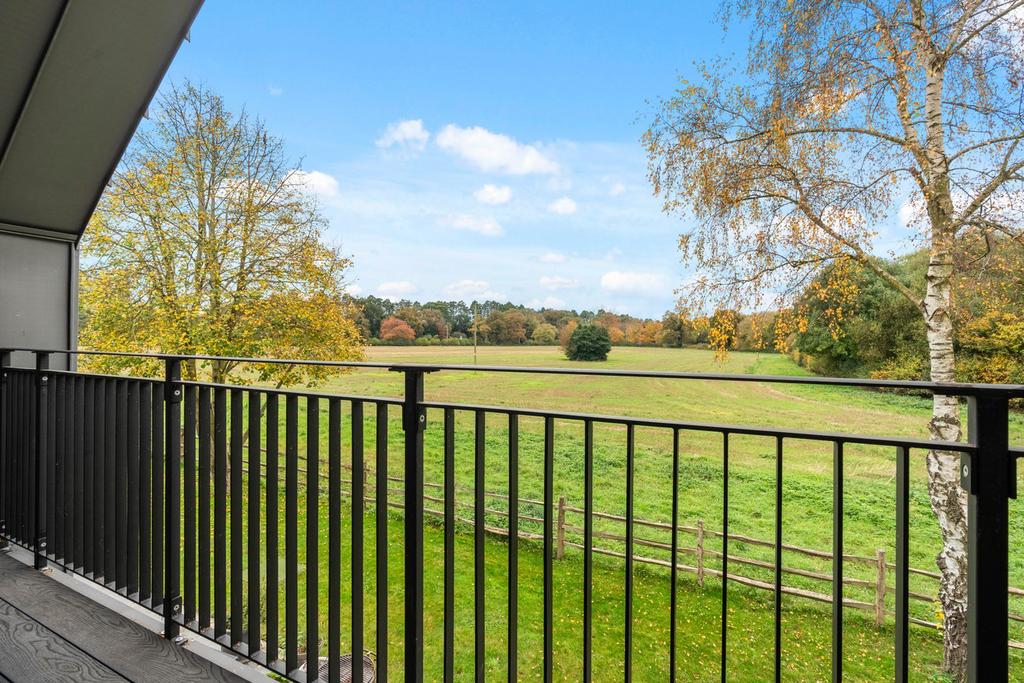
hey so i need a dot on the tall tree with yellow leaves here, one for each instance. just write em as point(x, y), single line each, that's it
point(208, 242)
point(843, 111)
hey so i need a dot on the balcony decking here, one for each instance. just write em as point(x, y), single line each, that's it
point(49, 632)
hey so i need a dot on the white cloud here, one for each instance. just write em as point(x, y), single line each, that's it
point(396, 290)
point(318, 183)
point(552, 257)
point(547, 302)
point(408, 134)
point(484, 225)
point(563, 206)
point(632, 282)
point(473, 289)
point(616, 189)
point(494, 152)
point(554, 282)
point(275, 91)
point(493, 194)
point(353, 290)
point(612, 254)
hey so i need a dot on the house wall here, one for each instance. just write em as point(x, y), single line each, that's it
point(38, 296)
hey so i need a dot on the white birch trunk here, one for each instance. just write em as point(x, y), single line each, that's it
point(948, 499)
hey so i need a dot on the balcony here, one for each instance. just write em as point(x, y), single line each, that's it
point(190, 499)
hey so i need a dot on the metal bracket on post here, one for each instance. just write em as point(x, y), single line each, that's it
point(989, 476)
point(414, 423)
point(172, 499)
point(40, 453)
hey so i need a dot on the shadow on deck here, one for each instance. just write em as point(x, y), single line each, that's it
point(50, 632)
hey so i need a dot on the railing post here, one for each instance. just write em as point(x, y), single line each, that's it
point(39, 451)
point(880, 579)
point(172, 497)
point(5, 487)
point(989, 475)
point(414, 422)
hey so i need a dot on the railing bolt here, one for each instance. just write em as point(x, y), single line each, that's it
point(966, 470)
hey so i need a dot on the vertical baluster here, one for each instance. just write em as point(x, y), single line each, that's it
point(333, 540)
point(235, 517)
point(157, 473)
point(121, 486)
point(673, 597)
point(778, 559)
point(725, 554)
point(272, 550)
point(145, 491)
point(253, 522)
point(205, 473)
point(110, 493)
point(449, 545)
point(357, 540)
point(588, 549)
point(220, 484)
point(69, 471)
point(132, 510)
point(628, 639)
point(513, 548)
point(902, 563)
point(381, 544)
point(312, 536)
point(479, 521)
point(291, 536)
point(549, 460)
point(55, 464)
point(837, 562)
point(5, 448)
point(80, 473)
point(88, 476)
point(189, 488)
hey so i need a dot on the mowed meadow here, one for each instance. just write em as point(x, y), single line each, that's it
point(869, 516)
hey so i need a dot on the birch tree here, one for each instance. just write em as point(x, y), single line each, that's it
point(842, 116)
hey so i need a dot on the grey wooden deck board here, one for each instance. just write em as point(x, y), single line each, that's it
point(31, 652)
point(127, 648)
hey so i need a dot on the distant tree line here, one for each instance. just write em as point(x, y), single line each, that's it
point(864, 328)
point(383, 321)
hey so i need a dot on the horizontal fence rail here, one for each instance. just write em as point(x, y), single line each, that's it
point(233, 512)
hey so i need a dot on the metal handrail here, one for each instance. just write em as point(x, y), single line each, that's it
point(940, 388)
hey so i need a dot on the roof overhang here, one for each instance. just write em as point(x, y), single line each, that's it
point(76, 77)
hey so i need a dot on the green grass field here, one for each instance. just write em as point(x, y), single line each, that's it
point(807, 511)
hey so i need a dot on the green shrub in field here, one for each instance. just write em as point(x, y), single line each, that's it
point(588, 342)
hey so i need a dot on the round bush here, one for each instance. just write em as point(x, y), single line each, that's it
point(588, 342)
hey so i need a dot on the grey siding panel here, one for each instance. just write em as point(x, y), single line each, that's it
point(36, 303)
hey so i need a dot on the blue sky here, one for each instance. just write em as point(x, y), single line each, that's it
point(465, 150)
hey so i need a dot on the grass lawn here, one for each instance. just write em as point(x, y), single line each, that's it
point(807, 510)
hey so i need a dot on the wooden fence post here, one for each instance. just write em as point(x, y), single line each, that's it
point(560, 538)
point(700, 553)
point(880, 575)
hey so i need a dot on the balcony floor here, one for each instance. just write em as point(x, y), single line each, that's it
point(49, 632)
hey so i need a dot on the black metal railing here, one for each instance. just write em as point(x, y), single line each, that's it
point(176, 493)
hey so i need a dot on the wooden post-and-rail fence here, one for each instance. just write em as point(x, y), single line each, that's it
point(700, 551)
